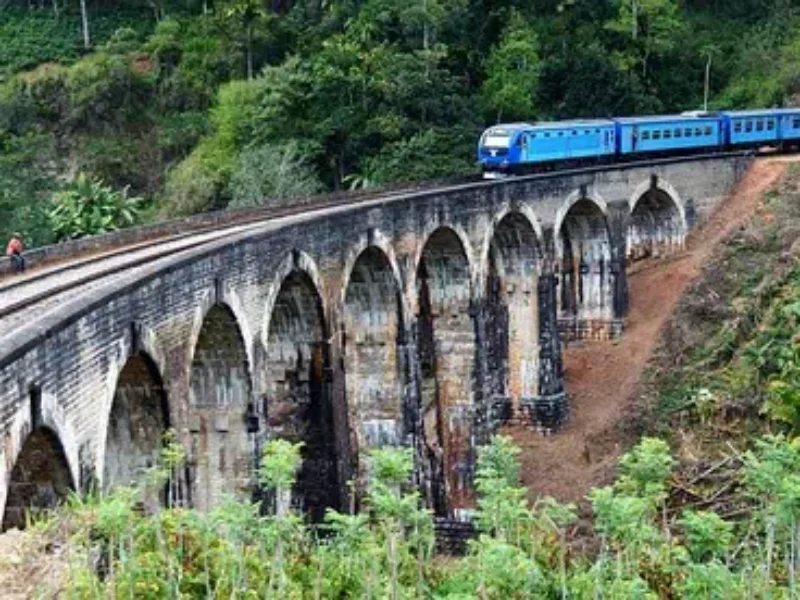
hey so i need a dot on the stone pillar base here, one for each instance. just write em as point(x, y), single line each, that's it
point(501, 411)
point(546, 413)
point(571, 329)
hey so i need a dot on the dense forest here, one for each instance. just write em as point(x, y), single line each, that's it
point(119, 111)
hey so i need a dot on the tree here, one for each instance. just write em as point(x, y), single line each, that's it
point(272, 174)
point(653, 26)
point(512, 72)
point(248, 13)
point(87, 42)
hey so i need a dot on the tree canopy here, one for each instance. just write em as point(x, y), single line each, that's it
point(172, 99)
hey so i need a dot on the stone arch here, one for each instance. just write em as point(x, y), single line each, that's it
point(298, 400)
point(466, 248)
point(512, 309)
point(223, 296)
point(40, 480)
point(373, 363)
point(220, 397)
point(446, 348)
point(578, 196)
point(658, 221)
point(382, 243)
point(136, 421)
point(583, 249)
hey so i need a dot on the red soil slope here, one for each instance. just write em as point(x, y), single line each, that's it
point(603, 377)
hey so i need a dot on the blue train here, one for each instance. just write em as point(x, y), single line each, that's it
point(515, 148)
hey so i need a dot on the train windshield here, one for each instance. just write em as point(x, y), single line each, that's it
point(496, 138)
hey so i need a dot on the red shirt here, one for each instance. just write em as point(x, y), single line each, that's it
point(14, 247)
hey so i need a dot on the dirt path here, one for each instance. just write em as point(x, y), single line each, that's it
point(602, 377)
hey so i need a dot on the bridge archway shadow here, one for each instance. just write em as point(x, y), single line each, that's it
point(585, 301)
point(40, 480)
point(657, 226)
point(222, 451)
point(299, 405)
point(373, 362)
point(138, 418)
point(446, 347)
point(512, 323)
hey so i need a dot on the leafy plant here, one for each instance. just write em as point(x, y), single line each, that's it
point(88, 207)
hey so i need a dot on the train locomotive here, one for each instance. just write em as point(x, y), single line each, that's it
point(517, 148)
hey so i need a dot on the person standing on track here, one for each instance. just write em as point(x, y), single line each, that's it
point(14, 252)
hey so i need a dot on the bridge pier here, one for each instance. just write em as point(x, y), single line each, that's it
point(548, 410)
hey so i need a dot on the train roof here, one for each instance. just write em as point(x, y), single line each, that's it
point(667, 118)
point(756, 112)
point(510, 126)
point(573, 123)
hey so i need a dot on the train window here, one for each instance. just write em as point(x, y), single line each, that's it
point(796, 122)
point(687, 132)
point(759, 125)
point(667, 134)
point(737, 127)
point(656, 135)
point(748, 126)
point(770, 124)
point(547, 134)
point(678, 133)
point(645, 135)
point(708, 130)
point(560, 134)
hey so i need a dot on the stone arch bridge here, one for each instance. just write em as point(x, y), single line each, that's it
point(419, 320)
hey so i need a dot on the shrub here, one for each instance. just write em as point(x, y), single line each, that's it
point(272, 175)
point(88, 207)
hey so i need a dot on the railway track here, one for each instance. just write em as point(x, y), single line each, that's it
point(26, 299)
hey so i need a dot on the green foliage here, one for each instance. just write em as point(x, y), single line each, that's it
point(183, 101)
point(279, 464)
point(237, 549)
point(25, 187)
point(88, 207)
point(34, 37)
point(191, 187)
point(272, 175)
point(512, 73)
point(651, 28)
point(707, 535)
point(644, 471)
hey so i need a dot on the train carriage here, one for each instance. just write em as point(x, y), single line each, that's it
point(512, 147)
point(751, 127)
point(669, 133)
point(568, 140)
point(761, 127)
point(789, 124)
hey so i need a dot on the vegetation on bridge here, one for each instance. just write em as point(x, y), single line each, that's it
point(195, 105)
